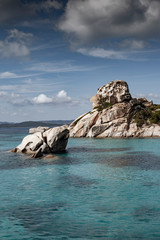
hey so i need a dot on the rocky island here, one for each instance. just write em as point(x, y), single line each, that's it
point(116, 114)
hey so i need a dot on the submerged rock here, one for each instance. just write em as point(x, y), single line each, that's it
point(50, 141)
point(116, 114)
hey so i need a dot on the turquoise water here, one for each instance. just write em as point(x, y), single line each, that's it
point(98, 189)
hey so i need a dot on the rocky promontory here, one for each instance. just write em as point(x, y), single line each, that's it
point(116, 114)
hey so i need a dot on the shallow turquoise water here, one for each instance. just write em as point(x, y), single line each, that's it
point(98, 189)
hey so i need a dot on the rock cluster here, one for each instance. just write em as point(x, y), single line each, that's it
point(44, 140)
point(116, 114)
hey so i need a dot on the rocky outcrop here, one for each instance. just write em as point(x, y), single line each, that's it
point(113, 92)
point(50, 140)
point(116, 114)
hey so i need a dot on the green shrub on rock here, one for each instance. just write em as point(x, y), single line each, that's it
point(102, 104)
point(142, 116)
point(155, 118)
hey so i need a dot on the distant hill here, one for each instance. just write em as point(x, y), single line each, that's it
point(51, 123)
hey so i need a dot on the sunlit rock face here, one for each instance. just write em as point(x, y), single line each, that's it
point(50, 140)
point(113, 92)
point(116, 114)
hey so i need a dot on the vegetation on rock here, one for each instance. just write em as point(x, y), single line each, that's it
point(149, 114)
point(102, 104)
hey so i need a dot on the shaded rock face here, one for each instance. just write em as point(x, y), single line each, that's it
point(113, 92)
point(47, 141)
point(117, 119)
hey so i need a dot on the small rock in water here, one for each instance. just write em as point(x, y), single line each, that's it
point(50, 141)
point(49, 156)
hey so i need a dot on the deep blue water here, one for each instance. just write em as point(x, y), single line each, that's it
point(98, 189)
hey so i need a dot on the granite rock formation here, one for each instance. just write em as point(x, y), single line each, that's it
point(44, 141)
point(116, 114)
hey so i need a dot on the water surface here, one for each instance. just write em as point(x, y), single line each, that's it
point(98, 189)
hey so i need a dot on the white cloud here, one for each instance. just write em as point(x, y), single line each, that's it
point(58, 67)
point(88, 20)
point(42, 99)
point(8, 75)
point(16, 44)
point(148, 95)
point(62, 95)
point(102, 53)
point(60, 98)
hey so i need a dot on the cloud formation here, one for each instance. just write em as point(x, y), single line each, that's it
point(16, 44)
point(58, 67)
point(17, 10)
point(87, 20)
point(102, 53)
point(60, 98)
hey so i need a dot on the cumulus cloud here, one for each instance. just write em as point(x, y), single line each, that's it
point(16, 44)
point(60, 98)
point(42, 99)
point(87, 20)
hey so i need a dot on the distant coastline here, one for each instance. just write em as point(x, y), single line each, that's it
point(50, 123)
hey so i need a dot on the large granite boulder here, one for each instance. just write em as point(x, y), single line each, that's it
point(113, 92)
point(47, 141)
point(57, 138)
point(116, 114)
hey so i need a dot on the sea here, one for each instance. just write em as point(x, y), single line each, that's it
point(98, 189)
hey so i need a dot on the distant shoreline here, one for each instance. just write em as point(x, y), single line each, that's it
point(51, 123)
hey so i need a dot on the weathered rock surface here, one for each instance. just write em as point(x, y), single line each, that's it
point(119, 118)
point(49, 141)
point(38, 129)
point(113, 92)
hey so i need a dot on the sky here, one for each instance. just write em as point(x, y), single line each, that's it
point(55, 54)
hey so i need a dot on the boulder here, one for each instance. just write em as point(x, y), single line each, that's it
point(57, 138)
point(30, 143)
point(38, 129)
point(113, 92)
point(39, 143)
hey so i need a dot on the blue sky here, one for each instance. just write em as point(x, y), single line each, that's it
point(55, 54)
